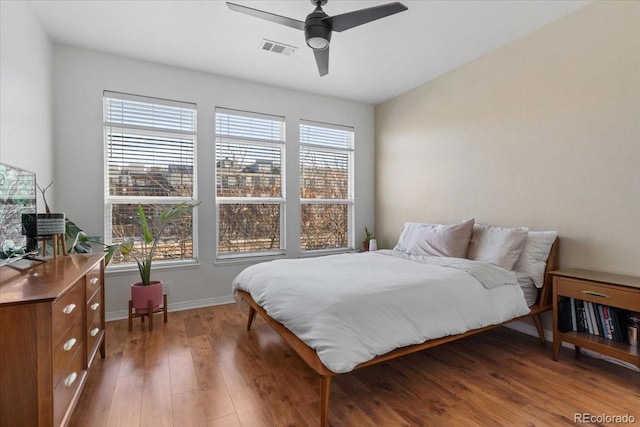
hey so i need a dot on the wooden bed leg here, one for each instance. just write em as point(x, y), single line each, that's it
point(556, 349)
point(252, 315)
point(538, 322)
point(325, 390)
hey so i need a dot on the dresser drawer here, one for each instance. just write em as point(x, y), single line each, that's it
point(94, 325)
point(66, 309)
point(94, 309)
point(600, 293)
point(69, 382)
point(94, 281)
point(93, 342)
point(66, 348)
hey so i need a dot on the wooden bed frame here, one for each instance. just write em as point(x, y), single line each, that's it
point(310, 357)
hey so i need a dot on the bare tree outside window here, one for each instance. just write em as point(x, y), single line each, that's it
point(326, 176)
point(249, 196)
point(249, 228)
point(176, 242)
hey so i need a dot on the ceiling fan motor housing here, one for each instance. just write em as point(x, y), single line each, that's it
point(315, 27)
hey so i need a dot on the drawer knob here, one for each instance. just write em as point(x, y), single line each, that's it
point(94, 332)
point(94, 281)
point(595, 294)
point(69, 344)
point(68, 309)
point(68, 382)
point(95, 306)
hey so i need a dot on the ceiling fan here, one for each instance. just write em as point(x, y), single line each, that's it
point(318, 26)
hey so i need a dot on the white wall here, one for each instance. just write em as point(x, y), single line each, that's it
point(26, 118)
point(80, 78)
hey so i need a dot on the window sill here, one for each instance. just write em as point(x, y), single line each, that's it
point(252, 259)
point(126, 269)
point(323, 252)
point(248, 259)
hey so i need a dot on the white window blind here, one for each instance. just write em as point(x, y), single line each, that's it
point(150, 147)
point(326, 186)
point(249, 159)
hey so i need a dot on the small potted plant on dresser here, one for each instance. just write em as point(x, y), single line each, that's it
point(147, 289)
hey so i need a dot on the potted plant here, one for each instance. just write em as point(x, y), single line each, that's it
point(368, 235)
point(146, 289)
point(81, 243)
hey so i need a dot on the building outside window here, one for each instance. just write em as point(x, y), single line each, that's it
point(149, 158)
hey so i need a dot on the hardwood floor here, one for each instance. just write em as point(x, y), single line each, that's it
point(203, 369)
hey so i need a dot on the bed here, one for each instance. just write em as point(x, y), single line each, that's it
point(348, 311)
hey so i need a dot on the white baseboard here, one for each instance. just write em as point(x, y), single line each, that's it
point(527, 328)
point(177, 306)
point(548, 336)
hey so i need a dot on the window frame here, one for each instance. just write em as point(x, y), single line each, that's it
point(111, 200)
point(281, 201)
point(349, 201)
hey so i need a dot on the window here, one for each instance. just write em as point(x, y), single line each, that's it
point(149, 158)
point(249, 175)
point(326, 186)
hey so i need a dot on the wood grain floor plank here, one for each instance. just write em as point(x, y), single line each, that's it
point(182, 371)
point(250, 407)
point(95, 412)
point(214, 373)
point(127, 401)
point(156, 397)
point(133, 359)
point(215, 398)
point(188, 410)
point(227, 421)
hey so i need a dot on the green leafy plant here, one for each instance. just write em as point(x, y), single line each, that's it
point(368, 235)
point(81, 243)
point(145, 260)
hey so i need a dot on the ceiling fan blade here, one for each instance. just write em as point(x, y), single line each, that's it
point(358, 17)
point(322, 59)
point(289, 22)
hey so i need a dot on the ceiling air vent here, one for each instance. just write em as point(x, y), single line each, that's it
point(276, 47)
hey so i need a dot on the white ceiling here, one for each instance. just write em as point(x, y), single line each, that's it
point(370, 63)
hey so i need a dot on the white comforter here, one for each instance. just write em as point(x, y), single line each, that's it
point(353, 307)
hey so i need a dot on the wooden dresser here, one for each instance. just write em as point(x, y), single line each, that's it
point(51, 327)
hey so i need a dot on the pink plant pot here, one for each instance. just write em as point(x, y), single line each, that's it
point(141, 295)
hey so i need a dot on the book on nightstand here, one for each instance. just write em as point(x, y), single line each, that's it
point(564, 315)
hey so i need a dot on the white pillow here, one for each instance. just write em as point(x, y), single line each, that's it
point(499, 246)
point(435, 239)
point(533, 259)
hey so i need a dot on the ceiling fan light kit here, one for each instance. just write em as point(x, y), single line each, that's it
point(317, 42)
point(318, 26)
point(317, 33)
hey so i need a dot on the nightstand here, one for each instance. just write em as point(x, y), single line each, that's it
point(591, 292)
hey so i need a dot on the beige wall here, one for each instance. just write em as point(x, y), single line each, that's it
point(544, 132)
